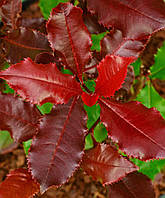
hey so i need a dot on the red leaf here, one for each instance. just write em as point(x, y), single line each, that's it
point(137, 21)
point(38, 24)
point(89, 100)
point(58, 145)
point(104, 163)
point(45, 58)
point(92, 24)
point(23, 43)
point(139, 131)
point(115, 43)
point(18, 117)
point(40, 83)
point(136, 18)
point(9, 12)
point(112, 72)
point(68, 34)
point(18, 184)
point(132, 186)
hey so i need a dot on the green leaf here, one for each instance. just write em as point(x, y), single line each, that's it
point(93, 114)
point(150, 98)
point(88, 142)
point(149, 168)
point(26, 146)
point(96, 38)
point(66, 71)
point(90, 85)
point(47, 5)
point(100, 133)
point(158, 69)
point(5, 139)
point(45, 108)
point(8, 90)
point(136, 65)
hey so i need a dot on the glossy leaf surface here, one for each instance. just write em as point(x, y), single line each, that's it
point(60, 141)
point(132, 27)
point(41, 83)
point(23, 43)
point(115, 43)
point(9, 12)
point(132, 186)
point(68, 35)
point(18, 184)
point(139, 131)
point(112, 72)
point(18, 117)
point(105, 164)
point(92, 24)
point(136, 18)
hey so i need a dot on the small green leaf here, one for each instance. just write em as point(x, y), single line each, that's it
point(90, 85)
point(26, 146)
point(100, 133)
point(150, 168)
point(150, 98)
point(136, 65)
point(76, 2)
point(88, 142)
point(45, 108)
point(66, 71)
point(8, 90)
point(158, 69)
point(93, 114)
point(96, 38)
point(5, 139)
point(47, 5)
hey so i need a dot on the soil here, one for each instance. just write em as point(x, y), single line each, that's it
point(81, 185)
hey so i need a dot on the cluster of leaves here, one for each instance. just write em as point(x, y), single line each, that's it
point(61, 68)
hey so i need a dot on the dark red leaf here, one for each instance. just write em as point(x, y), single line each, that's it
point(92, 24)
point(115, 43)
point(59, 144)
point(139, 131)
point(40, 83)
point(9, 12)
point(137, 21)
point(89, 100)
point(45, 58)
point(23, 43)
point(18, 184)
point(68, 34)
point(112, 71)
point(136, 18)
point(34, 23)
point(134, 185)
point(18, 117)
point(105, 164)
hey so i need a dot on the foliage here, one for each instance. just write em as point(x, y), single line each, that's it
point(69, 93)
